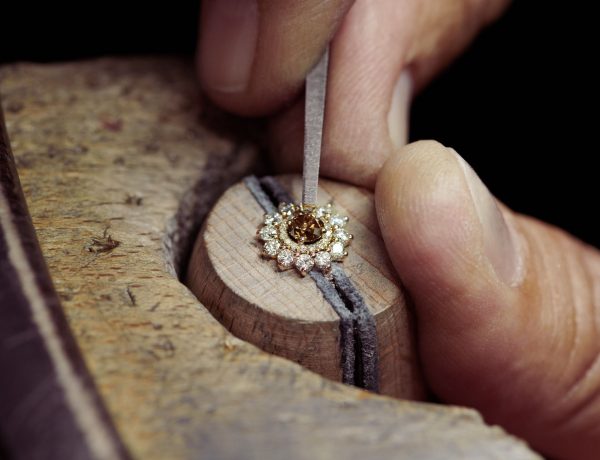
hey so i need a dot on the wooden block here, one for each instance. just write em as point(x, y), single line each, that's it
point(286, 314)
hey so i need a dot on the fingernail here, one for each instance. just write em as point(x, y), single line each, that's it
point(399, 110)
point(228, 43)
point(499, 239)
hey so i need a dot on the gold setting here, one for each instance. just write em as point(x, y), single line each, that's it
point(304, 237)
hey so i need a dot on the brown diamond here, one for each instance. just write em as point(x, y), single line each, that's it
point(305, 228)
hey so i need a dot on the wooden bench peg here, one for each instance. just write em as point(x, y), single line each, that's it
point(288, 315)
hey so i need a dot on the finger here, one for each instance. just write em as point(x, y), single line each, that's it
point(253, 55)
point(382, 51)
point(508, 308)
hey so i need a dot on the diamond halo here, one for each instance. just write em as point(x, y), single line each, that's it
point(304, 237)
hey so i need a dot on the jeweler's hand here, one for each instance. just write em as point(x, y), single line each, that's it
point(508, 308)
point(253, 56)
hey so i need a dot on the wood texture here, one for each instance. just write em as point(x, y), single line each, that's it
point(114, 163)
point(285, 314)
point(41, 369)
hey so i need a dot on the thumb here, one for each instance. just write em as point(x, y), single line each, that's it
point(255, 54)
point(508, 308)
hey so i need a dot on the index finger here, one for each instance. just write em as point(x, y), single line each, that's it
point(253, 55)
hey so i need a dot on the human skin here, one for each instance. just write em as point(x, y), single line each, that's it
point(512, 327)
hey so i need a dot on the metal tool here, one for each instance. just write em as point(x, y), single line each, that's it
point(314, 115)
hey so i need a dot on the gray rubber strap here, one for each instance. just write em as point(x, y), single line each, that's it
point(365, 331)
point(274, 190)
point(347, 332)
point(357, 325)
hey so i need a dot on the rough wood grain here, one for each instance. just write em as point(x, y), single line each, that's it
point(285, 314)
point(107, 150)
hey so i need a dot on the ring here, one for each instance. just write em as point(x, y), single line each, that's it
point(305, 237)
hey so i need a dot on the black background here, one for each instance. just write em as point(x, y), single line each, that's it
point(521, 105)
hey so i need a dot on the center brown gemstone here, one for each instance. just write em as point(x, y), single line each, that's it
point(305, 228)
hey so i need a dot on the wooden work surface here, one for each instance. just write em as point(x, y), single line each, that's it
point(118, 170)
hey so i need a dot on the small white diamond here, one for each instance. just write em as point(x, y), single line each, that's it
point(338, 221)
point(271, 247)
point(337, 250)
point(286, 208)
point(272, 219)
point(267, 233)
point(285, 259)
point(323, 260)
point(342, 236)
point(304, 263)
point(320, 212)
